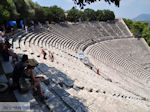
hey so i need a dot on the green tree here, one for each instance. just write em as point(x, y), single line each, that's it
point(26, 10)
point(90, 14)
point(82, 16)
point(47, 14)
point(39, 14)
point(82, 3)
point(7, 11)
point(128, 22)
point(73, 15)
point(137, 28)
point(108, 15)
point(146, 34)
point(58, 14)
point(99, 15)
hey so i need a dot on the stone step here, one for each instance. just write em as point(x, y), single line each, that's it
point(53, 101)
point(28, 97)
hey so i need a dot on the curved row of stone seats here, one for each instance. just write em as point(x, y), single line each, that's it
point(77, 32)
point(65, 100)
point(116, 29)
point(123, 27)
point(94, 30)
point(47, 70)
point(85, 83)
point(57, 59)
point(58, 41)
point(69, 31)
point(87, 29)
point(18, 36)
point(91, 87)
point(28, 43)
point(57, 101)
point(44, 36)
point(105, 54)
point(22, 40)
point(55, 77)
point(84, 32)
point(36, 37)
point(58, 32)
point(101, 29)
point(133, 49)
point(54, 40)
point(108, 28)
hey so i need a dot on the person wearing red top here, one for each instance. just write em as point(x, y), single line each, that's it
point(44, 54)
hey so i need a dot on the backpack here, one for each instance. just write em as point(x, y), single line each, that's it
point(24, 84)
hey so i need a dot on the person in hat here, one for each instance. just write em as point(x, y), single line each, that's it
point(35, 82)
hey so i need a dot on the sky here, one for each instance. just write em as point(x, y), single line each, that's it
point(128, 8)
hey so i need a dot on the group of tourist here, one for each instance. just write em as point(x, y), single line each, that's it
point(6, 51)
point(50, 56)
point(22, 73)
point(23, 70)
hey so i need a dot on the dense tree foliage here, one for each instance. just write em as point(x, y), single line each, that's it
point(90, 14)
point(7, 10)
point(139, 29)
point(99, 15)
point(128, 22)
point(146, 34)
point(28, 11)
point(73, 15)
point(82, 3)
point(108, 15)
point(58, 14)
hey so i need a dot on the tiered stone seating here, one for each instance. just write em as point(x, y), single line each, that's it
point(73, 86)
point(83, 82)
point(123, 27)
point(108, 28)
point(116, 29)
point(132, 49)
point(102, 52)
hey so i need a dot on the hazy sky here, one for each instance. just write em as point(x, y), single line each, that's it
point(128, 8)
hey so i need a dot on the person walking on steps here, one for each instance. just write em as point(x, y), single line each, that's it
point(44, 54)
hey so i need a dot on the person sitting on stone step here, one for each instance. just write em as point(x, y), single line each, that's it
point(35, 82)
point(8, 54)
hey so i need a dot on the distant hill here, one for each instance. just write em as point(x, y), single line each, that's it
point(142, 17)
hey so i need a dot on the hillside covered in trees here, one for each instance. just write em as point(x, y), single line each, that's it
point(27, 10)
point(139, 29)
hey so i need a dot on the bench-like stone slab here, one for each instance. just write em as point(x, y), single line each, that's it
point(28, 97)
point(53, 102)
